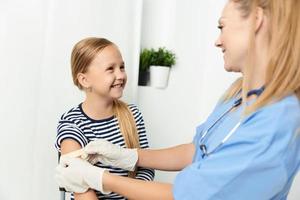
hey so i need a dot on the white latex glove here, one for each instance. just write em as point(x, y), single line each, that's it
point(111, 154)
point(77, 175)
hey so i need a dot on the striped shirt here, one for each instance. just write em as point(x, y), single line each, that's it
point(76, 125)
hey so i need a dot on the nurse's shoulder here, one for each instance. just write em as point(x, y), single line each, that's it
point(283, 112)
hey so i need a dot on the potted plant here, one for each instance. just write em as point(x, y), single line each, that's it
point(161, 62)
point(146, 57)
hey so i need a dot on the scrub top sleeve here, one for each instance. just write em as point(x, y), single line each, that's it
point(199, 132)
point(247, 166)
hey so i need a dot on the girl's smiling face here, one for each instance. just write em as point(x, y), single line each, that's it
point(106, 74)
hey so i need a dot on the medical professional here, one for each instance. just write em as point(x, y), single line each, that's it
point(249, 147)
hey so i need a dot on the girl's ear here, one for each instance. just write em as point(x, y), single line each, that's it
point(259, 18)
point(83, 80)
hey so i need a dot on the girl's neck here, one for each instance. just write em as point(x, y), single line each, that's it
point(97, 108)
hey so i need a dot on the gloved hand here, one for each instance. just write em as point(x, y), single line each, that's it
point(77, 175)
point(111, 154)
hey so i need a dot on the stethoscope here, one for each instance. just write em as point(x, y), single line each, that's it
point(236, 103)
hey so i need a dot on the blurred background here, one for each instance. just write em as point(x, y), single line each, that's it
point(36, 38)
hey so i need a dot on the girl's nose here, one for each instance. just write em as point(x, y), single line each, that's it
point(120, 74)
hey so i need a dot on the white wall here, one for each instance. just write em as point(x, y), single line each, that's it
point(198, 79)
point(36, 39)
point(21, 36)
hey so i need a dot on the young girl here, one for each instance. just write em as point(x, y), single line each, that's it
point(249, 147)
point(99, 70)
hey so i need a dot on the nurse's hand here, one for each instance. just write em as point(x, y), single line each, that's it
point(111, 154)
point(77, 175)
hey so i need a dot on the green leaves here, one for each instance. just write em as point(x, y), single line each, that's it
point(161, 57)
point(146, 57)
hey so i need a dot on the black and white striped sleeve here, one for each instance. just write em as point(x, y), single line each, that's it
point(146, 174)
point(69, 130)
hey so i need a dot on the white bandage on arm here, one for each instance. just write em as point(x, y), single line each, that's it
point(80, 153)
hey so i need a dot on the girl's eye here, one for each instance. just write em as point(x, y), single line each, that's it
point(220, 27)
point(110, 69)
point(122, 67)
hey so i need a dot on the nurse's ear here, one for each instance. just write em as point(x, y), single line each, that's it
point(259, 18)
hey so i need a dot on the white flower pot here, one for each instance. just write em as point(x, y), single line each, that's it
point(159, 76)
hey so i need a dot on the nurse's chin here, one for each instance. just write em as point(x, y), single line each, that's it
point(229, 68)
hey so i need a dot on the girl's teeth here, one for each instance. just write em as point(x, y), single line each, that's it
point(118, 85)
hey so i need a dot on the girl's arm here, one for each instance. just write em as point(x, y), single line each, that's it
point(137, 189)
point(67, 146)
point(170, 159)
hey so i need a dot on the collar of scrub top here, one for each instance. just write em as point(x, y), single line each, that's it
point(236, 103)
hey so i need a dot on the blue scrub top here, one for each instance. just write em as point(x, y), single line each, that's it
point(259, 161)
